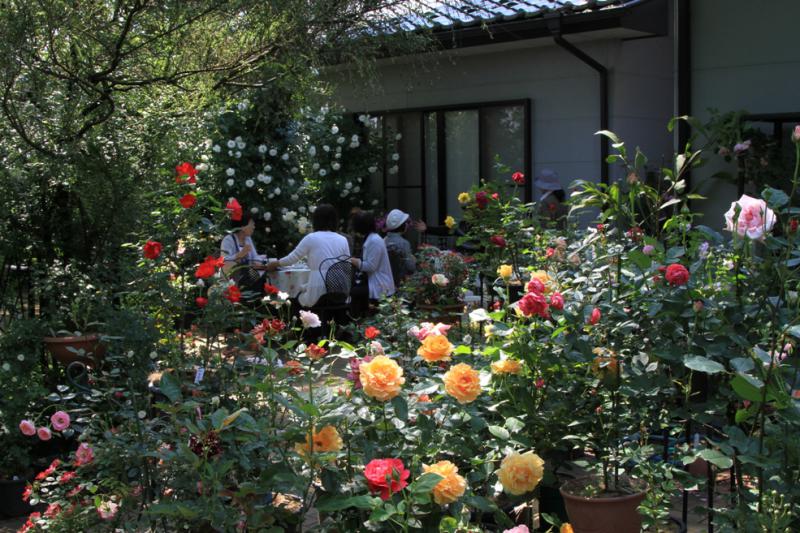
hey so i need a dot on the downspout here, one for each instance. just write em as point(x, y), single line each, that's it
point(554, 25)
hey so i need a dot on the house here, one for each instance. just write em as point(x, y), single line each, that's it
point(528, 82)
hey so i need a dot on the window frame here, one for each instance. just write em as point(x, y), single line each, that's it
point(441, 147)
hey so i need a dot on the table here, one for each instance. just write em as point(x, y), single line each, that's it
point(290, 280)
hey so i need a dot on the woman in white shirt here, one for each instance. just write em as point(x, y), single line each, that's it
point(374, 259)
point(323, 243)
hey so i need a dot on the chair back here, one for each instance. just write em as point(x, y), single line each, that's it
point(338, 275)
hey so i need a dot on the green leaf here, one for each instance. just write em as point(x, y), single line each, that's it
point(610, 134)
point(400, 408)
point(170, 387)
point(499, 432)
point(775, 198)
point(703, 364)
point(425, 483)
point(747, 387)
point(328, 503)
point(514, 424)
point(462, 350)
point(716, 458)
point(640, 259)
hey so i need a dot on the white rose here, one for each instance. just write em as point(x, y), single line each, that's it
point(323, 172)
point(267, 229)
point(356, 189)
point(216, 148)
point(362, 118)
point(231, 144)
point(334, 129)
point(290, 181)
point(238, 154)
point(315, 166)
point(294, 197)
point(270, 196)
point(260, 178)
point(395, 157)
point(267, 179)
point(254, 210)
point(326, 148)
point(285, 157)
point(273, 152)
point(267, 216)
point(204, 157)
point(394, 169)
point(267, 168)
point(230, 172)
point(341, 140)
point(277, 191)
point(294, 170)
point(262, 148)
point(375, 201)
point(373, 169)
point(336, 166)
point(337, 155)
point(202, 167)
point(229, 183)
point(302, 209)
point(354, 138)
point(348, 185)
point(240, 145)
point(398, 136)
point(312, 151)
point(249, 183)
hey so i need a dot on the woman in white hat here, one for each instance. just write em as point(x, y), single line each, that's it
point(399, 249)
point(551, 196)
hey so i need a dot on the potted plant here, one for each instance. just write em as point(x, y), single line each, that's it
point(78, 338)
point(437, 286)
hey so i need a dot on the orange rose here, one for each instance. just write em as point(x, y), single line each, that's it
point(520, 473)
point(544, 278)
point(506, 366)
point(566, 528)
point(605, 365)
point(451, 487)
point(463, 383)
point(326, 439)
point(435, 348)
point(381, 378)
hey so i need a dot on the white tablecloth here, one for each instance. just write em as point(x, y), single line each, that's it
point(290, 280)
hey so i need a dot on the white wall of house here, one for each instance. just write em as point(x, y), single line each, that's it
point(744, 57)
point(564, 93)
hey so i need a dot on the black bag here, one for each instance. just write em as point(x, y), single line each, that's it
point(360, 286)
point(245, 276)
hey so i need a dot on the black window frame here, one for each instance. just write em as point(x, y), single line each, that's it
point(441, 147)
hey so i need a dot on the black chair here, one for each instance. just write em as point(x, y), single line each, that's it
point(334, 305)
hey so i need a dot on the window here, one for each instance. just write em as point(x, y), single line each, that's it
point(433, 154)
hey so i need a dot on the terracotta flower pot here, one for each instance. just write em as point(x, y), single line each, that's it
point(606, 513)
point(91, 345)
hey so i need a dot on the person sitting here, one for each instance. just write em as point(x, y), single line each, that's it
point(399, 249)
point(242, 261)
point(374, 258)
point(551, 197)
point(321, 244)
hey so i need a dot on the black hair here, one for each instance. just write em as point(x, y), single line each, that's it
point(235, 225)
point(364, 223)
point(560, 195)
point(325, 218)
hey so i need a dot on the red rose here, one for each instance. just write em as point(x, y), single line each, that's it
point(316, 352)
point(793, 223)
point(495, 196)
point(536, 286)
point(188, 200)
point(534, 304)
point(386, 476)
point(234, 209)
point(233, 294)
point(371, 332)
point(201, 302)
point(557, 301)
point(677, 274)
point(601, 228)
point(207, 268)
point(66, 477)
point(186, 169)
point(594, 318)
point(518, 178)
point(152, 249)
point(270, 289)
point(549, 252)
point(498, 240)
point(481, 199)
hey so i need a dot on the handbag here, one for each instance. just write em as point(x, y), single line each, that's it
point(359, 289)
point(245, 275)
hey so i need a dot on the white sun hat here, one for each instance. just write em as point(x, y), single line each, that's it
point(548, 181)
point(395, 219)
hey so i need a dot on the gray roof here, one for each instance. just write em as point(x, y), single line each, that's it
point(438, 15)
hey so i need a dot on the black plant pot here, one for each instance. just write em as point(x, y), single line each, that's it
point(11, 504)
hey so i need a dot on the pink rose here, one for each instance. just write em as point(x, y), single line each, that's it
point(440, 280)
point(796, 134)
point(84, 455)
point(60, 420)
point(648, 249)
point(557, 301)
point(519, 529)
point(536, 286)
point(27, 428)
point(755, 218)
point(428, 328)
point(594, 318)
point(44, 433)
point(107, 510)
point(742, 147)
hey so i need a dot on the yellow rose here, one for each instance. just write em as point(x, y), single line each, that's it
point(381, 378)
point(546, 280)
point(435, 348)
point(326, 439)
point(450, 488)
point(450, 222)
point(464, 198)
point(463, 383)
point(505, 271)
point(520, 473)
point(506, 366)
